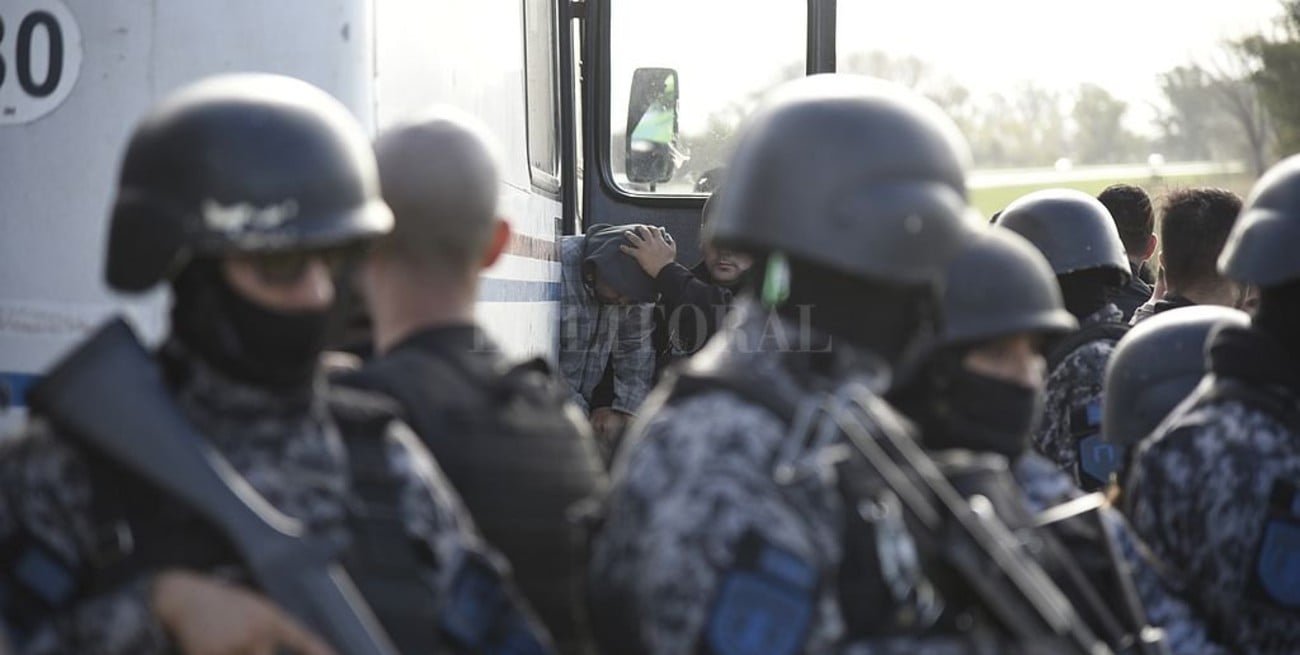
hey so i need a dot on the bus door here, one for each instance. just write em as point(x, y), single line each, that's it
point(665, 86)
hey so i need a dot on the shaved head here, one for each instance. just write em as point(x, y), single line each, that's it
point(439, 175)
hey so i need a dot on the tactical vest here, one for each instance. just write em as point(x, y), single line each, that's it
point(1077, 552)
point(867, 602)
point(1273, 579)
point(140, 530)
point(1097, 458)
point(1085, 335)
point(519, 457)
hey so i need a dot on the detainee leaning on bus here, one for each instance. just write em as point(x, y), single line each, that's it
point(606, 321)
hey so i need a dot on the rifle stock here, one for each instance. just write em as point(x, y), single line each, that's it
point(110, 396)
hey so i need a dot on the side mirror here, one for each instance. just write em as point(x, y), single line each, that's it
point(652, 154)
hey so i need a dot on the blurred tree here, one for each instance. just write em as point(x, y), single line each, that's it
point(1274, 65)
point(1192, 125)
point(920, 76)
point(1244, 102)
point(1100, 135)
point(1022, 128)
point(1215, 111)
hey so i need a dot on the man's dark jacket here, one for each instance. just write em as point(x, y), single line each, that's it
point(1132, 295)
point(518, 453)
point(690, 310)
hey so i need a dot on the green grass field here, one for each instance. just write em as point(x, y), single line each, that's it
point(992, 199)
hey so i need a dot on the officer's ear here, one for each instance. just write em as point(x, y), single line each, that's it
point(1152, 242)
point(146, 243)
point(496, 243)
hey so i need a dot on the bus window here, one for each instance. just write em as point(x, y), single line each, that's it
point(720, 77)
point(543, 110)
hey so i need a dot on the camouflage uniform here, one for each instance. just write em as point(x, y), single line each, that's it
point(1074, 389)
point(695, 484)
point(1213, 494)
point(1045, 486)
point(285, 446)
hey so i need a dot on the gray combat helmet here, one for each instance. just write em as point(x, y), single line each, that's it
point(1155, 366)
point(1072, 229)
point(850, 173)
point(1261, 249)
point(240, 163)
point(999, 285)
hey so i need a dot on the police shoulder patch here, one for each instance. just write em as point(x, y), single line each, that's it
point(1085, 420)
point(1098, 459)
point(1276, 578)
point(765, 602)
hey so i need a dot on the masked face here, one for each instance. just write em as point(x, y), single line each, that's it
point(1015, 360)
point(994, 397)
point(259, 319)
point(987, 397)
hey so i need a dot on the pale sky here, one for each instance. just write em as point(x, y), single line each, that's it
point(1120, 45)
point(724, 49)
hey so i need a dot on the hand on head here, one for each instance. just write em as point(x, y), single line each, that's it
point(651, 246)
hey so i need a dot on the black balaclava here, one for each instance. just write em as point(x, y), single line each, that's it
point(884, 319)
point(240, 338)
point(1279, 317)
point(1084, 292)
point(958, 408)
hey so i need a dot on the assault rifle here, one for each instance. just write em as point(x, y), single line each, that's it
point(110, 396)
point(966, 535)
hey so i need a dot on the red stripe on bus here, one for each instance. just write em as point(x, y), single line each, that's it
point(523, 245)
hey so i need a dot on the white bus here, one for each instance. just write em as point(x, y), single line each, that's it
point(564, 84)
point(75, 76)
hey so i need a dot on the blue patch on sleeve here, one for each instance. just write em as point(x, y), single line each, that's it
point(475, 602)
point(1098, 459)
point(786, 566)
point(481, 617)
point(1277, 562)
point(1085, 420)
point(765, 603)
point(1094, 413)
point(45, 577)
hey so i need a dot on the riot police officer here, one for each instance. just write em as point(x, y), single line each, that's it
point(1215, 492)
point(852, 194)
point(505, 420)
point(1079, 239)
point(245, 193)
point(976, 398)
point(1154, 368)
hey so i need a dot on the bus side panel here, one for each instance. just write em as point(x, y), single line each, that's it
point(470, 54)
point(60, 169)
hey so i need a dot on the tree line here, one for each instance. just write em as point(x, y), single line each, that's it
point(1240, 102)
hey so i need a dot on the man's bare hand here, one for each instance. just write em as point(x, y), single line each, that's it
point(652, 247)
point(608, 424)
point(207, 616)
